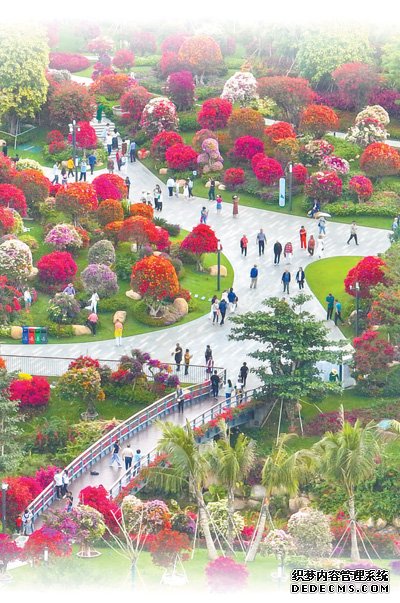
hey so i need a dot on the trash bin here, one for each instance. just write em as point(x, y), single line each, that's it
point(43, 335)
point(25, 335)
point(38, 334)
point(31, 335)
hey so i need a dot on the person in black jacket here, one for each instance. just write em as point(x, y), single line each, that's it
point(215, 381)
point(277, 252)
point(222, 308)
point(300, 277)
point(178, 355)
point(244, 371)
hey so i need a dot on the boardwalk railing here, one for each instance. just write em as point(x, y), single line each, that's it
point(138, 422)
point(48, 366)
point(198, 421)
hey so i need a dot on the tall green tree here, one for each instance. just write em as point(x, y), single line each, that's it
point(391, 61)
point(10, 449)
point(24, 57)
point(349, 457)
point(293, 342)
point(231, 464)
point(188, 467)
point(282, 473)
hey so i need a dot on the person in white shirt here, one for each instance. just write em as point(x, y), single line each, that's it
point(190, 187)
point(127, 456)
point(27, 523)
point(58, 480)
point(27, 300)
point(320, 246)
point(109, 143)
point(170, 186)
point(93, 301)
point(65, 482)
point(56, 173)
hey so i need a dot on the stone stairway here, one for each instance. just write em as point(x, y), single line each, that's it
point(99, 128)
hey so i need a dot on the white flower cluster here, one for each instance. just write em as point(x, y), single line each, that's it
point(374, 112)
point(365, 132)
point(15, 260)
point(240, 88)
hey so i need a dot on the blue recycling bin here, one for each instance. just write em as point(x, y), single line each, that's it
point(25, 338)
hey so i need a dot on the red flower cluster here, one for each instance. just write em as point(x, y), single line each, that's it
point(84, 362)
point(112, 85)
point(245, 122)
point(169, 63)
point(141, 209)
point(97, 498)
point(56, 543)
point(7, 220)
point(124, 59)
point(201, 240)
point(166, 545)
point(11, 196)
point(246, 147)
point(162, 141)
point(362, 187)
point(70, 61)
point(379, 159)
point(69, 101)
point(367, 273)
point(318, 119)
point(57, 268)
point(180, 87)
point(31, 393)
point(371, 354)
point(77, 199)
point(181, 157)
point(133, 102)
point(233, 177)
point(86, 137)
point(7, 169)
point(324, 186)
point(279, 131)
point(155, 277)
point(226, 574)
point(34, 185)
point(110, 210)
point(110, 186)
point(214, 113)
point(267, 170)
point(300, 173)
point(54, 136)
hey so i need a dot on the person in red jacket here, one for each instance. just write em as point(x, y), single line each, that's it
point(243, 244)
point(303, 238)
point(288, 252)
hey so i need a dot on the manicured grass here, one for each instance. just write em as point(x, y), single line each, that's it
point(85, 72)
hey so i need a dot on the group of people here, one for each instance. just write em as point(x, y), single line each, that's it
point(219, 308)
point(127, 455)
point(62, 170)
point(333, 305)
point(174, 187)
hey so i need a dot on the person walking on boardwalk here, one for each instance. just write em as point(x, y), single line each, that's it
point(186, 359)
point(311, 245)
point(235, 203)
point(179, 398)
point(127, 456)
point(261, 241)
point(215, 381)
point(300, 277)
point(244, 371)
point(243, 245)
point(303, 238)
point(288, 252)
point(277, 252)
point(286, 278)
point(115, 454)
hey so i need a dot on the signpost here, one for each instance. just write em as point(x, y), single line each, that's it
point(282, 192)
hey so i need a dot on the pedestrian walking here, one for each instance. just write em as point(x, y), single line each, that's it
point(261, 241)
point(215, 381)
point(311, 245)
point(114, 142)
point(215, 312)
point(338, 312)
point(99, 112)
point(125, 146)
point(288, 252)
point(27, 523)
point(223, 306)
point(203, 215)
point(83, 168)
point(186, 359)
point(322, 225)
point(58, 481)
point(243, 245)
point(118, 160)
point(300, 277)
point(190, 187)
point(70, 167)
point(178, 355)
point(132, 151)
point(232, 300)
point(286, 278)
point(64, 177)
point(330, 300)
point(105, 132)
point(110, 165)
point(208, 353)
point(211, 190)
point(244, 371)
point(180, 398)
point(170, 186)
point(92, 321)
point(109, 140)
point(56, 173)
point(277, 252)
point(219, 204)
point(70, 502)
point(92, 162)
point(65, 483)
point(18, 524)
point(137, 459)
point(253, 277)
point(353, 233)
point(235, 208)
point(209, 366)
point(128, 186)
point(93, 301)
point(320, 246)
point(118, 330)
point(127, 456)
point(27, 300)
point(115, 454)
point(228, 390)
point(303, 238)
point(186, 189)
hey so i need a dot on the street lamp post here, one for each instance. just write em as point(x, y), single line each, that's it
point(356, 288)
point(4, 488)
point(219, 249)
point(290, 166)
point(73, 129)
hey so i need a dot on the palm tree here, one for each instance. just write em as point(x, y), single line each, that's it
point(282, 472)
point(348, 457)
point(188, 465)
point(231, 464)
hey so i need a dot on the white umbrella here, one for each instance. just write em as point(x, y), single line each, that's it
point(321, 214)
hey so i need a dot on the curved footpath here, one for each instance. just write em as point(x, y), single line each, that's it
point(198, 333)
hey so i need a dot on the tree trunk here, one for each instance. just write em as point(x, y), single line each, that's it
point(231, 524)
point(205, 526)
point(253, 550)
point(355, 553)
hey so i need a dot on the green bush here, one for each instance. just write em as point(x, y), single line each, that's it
point(388, 184)
point(59, 331)
point(234, 62)
point(172, 229)
point(204, 92)
point(392, 387)
point(141, 138)
point(123, 267)
point(149, 60)
point(113, 304)
point(379, 205)
point(188, 121)
point(139, 311)
point(344, 148)
point(108, 104)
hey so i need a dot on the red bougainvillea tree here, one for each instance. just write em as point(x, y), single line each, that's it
point(246, 147)
point(166, 545)
point(362, 187)
point(279, 131)
point(110, 186)
point(355, 81)
point(112, 86)
point(202, 239)
point(77, 199)
point(142, 209)
point(169, 63)
point(201, 54)
point(56, 543)
point(181, 157)
point(21, 491)
point(112, 229)
point(372, 355)
point(31, 393)
point(214, 113)
point(180, 88)
point(291, 94)
point(162, 142)
point(124, 59)
point(7, 169)
point(318, 119)
point(155, 278)
point(233, 177)
point(7, 220)
point(379, 159)
point(367, 273)
point(324, 186)
point(245, 122)
point(11, 196)
point(97, 498)
point(268, 170)
point(86, 137)
point(56, 269)
point(300, 173)
point(9, 552)
point(133, 102)
point(34, 185)
point(109, 210)
point(138, 230)
point(69, 101)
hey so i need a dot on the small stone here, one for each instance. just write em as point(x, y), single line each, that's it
point(133, 295)
point(196, 295)
point(370, 523)
point(221, 187)
point(297, 503)
point(396, 522)
point(163, 171)
point(258, 492)
point(202, 298)
point(81, 330)
point(214, 271)
point(16, 332)
point(381, 523)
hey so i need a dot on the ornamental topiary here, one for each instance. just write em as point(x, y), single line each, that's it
point(77, 199)
point(57, 268)
point(7, 169)
point(318, 119)
point(100, 278)
point(34, 185)
point(233, 177)
point(110, 186)
point(362, 187)
point(124, 59)
point(324, 186)
point(109, 210)
point(314, 151)
point(268, 171)
point(366, 131)
point(9, 305)
point(159, 114)
point(300, 173)
point(7, 220)
point(63, 309)
point(162, 142)
point(31, 393)
point(246, 147)
point(246, 122)
point(70, 61)
point(11, 196)
point(214, 113)
point(240, 88)
point(64, 237)
point(155, 279)
point(181, 157)
point(200, 137)
point(180, 88)
point(102, 252)
point(379, 159)
point(15, 261)
point(69, 101)
point(133, 102)
point(210, 158)
point(279, 131)
point(374, 112)
point(311, 532)
point(142, 209)
point(112, 86)
point(86, 137)
point(28, 164)
point(220, 520)
point(335, 164)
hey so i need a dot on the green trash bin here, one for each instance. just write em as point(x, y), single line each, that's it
point(38, 335)
point(43, 335)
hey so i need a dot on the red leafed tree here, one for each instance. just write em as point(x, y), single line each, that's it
point(21, 491)
point(7, 169)
point(362, 187)
point(233, 177)
point(371, 358)
point(56, 269)
point(69, 101)
point(110, 186)
point(268, 171)
point(324, 186)
point(246, 147)
point(180, 88)
point(280, 131)
point(97, 498)
point(142, 209)
point(56, 543)
point(144, 42)
point(245, 122)
point(124, 59)
point(166, 545)
point(11, 196)
point(77, 200)
point(85, 136)
point(110, 210)
point(9, 551)
point(162, 141)
point(291, 94)
point(355, 81)
point(112, 86)
point(155, 278)
point(173, 43)
point(34, 185)
point(169, 63)
point(300, 173)
point(201, 240)
point(379, 159)
point(138, 230)
point(133, 102)
point(367, 273)
point(7, 220)
point(318, 119)
point(201, 54)
point(181, 157)
point(214, 113)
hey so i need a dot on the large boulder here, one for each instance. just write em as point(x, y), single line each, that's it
point(221, 187)
point(297, 503)
point(133, 295)
point(181, 306)
point(16, 332)
point(214, 270)
point(81, 330)
point(119, 315)
point(258, 492)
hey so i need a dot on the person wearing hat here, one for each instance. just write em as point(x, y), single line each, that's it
point(333, 376)
point(69, 289)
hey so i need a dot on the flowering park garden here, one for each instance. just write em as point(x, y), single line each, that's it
point(316, 484)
